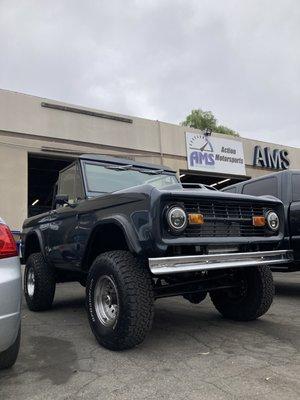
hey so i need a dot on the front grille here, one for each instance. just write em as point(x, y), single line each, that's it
point(225, 220)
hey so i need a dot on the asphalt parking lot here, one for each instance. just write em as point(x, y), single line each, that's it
point(191, 353)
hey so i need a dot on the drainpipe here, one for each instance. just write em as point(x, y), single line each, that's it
point(160, 141)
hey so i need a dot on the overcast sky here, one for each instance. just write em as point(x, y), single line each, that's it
point(161, 58)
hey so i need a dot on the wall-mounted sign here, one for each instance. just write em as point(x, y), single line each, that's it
point(214, 154)
point(273, 159)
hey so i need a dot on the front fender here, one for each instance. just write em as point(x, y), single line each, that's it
point(128, 231)
point(33, 235)
point(121, 223)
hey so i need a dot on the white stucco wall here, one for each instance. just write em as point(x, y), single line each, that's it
point(13, 184)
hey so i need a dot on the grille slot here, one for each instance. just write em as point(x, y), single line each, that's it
point(225, 220)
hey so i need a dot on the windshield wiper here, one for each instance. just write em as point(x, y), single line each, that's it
point(151, 171)
point(131, 167)
point(119, 167)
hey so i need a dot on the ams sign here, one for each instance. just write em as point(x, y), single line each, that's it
point(273, 159)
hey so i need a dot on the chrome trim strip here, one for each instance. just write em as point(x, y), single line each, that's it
point(207, 262)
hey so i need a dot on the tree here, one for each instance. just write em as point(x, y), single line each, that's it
point(200, 119)
point(226, 131)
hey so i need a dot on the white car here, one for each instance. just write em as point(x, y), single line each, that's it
point(10, 298)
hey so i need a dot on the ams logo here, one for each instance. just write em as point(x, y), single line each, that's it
point(202, 151)
point(273, 159)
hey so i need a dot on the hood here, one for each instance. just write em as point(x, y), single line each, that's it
point(195, 193)
point(207, 194)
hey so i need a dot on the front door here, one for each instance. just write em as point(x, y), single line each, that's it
point(63, 221)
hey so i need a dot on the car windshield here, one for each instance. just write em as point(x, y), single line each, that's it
point(110, 178)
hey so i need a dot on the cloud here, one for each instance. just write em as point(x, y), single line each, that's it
point(160, 59)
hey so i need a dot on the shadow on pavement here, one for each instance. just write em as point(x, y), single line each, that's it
point(290, 289)
point(65, 304)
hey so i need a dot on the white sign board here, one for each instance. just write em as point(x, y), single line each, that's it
point(214, 154)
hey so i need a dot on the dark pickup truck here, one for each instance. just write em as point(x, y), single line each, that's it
point(284, 185)
point(131, 233)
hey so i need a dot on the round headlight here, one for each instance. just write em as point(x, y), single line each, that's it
point(273, 220)
point(177, 219)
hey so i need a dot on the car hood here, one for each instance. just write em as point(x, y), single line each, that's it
point(218, 195)
point(195, 193)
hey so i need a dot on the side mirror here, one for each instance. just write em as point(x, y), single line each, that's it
point(61, 199)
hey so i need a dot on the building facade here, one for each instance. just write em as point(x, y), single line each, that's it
point(40, 136)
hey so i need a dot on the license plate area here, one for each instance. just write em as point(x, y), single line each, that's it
point(222, 249)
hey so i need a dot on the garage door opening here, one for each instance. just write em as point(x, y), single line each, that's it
point(42, 176)
point(216, 181)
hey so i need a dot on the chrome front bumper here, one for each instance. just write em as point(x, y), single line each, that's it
point(176, 265)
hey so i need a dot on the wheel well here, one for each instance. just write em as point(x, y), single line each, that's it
point(32, 245)
point(104, 238)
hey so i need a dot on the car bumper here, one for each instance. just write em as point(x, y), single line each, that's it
point(10, 301)
point(182, 264)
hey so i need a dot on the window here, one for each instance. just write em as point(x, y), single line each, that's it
point(70, 183)
point(79, 191)
point(267, 186)
point(296, 187)
point(110, 178)
point(66, 182)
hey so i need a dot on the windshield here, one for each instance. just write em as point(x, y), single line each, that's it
point(110, 178)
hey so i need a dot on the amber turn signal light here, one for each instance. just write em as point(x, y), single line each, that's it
point(259, 221)
point(196, 219)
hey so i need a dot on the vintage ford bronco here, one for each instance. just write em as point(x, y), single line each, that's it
point(131, 233)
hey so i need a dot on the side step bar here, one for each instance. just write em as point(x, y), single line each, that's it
point(181, 264)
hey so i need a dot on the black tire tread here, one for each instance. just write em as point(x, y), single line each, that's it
point(137, 295)
point(256, 305)
point(44, 284)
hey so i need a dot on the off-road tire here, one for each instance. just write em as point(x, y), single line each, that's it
point(9, 356)
point(135, 295)
point(254, 302)
point(44, 289)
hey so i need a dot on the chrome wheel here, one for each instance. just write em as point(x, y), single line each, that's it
point(30, 282)
point(106, 301)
